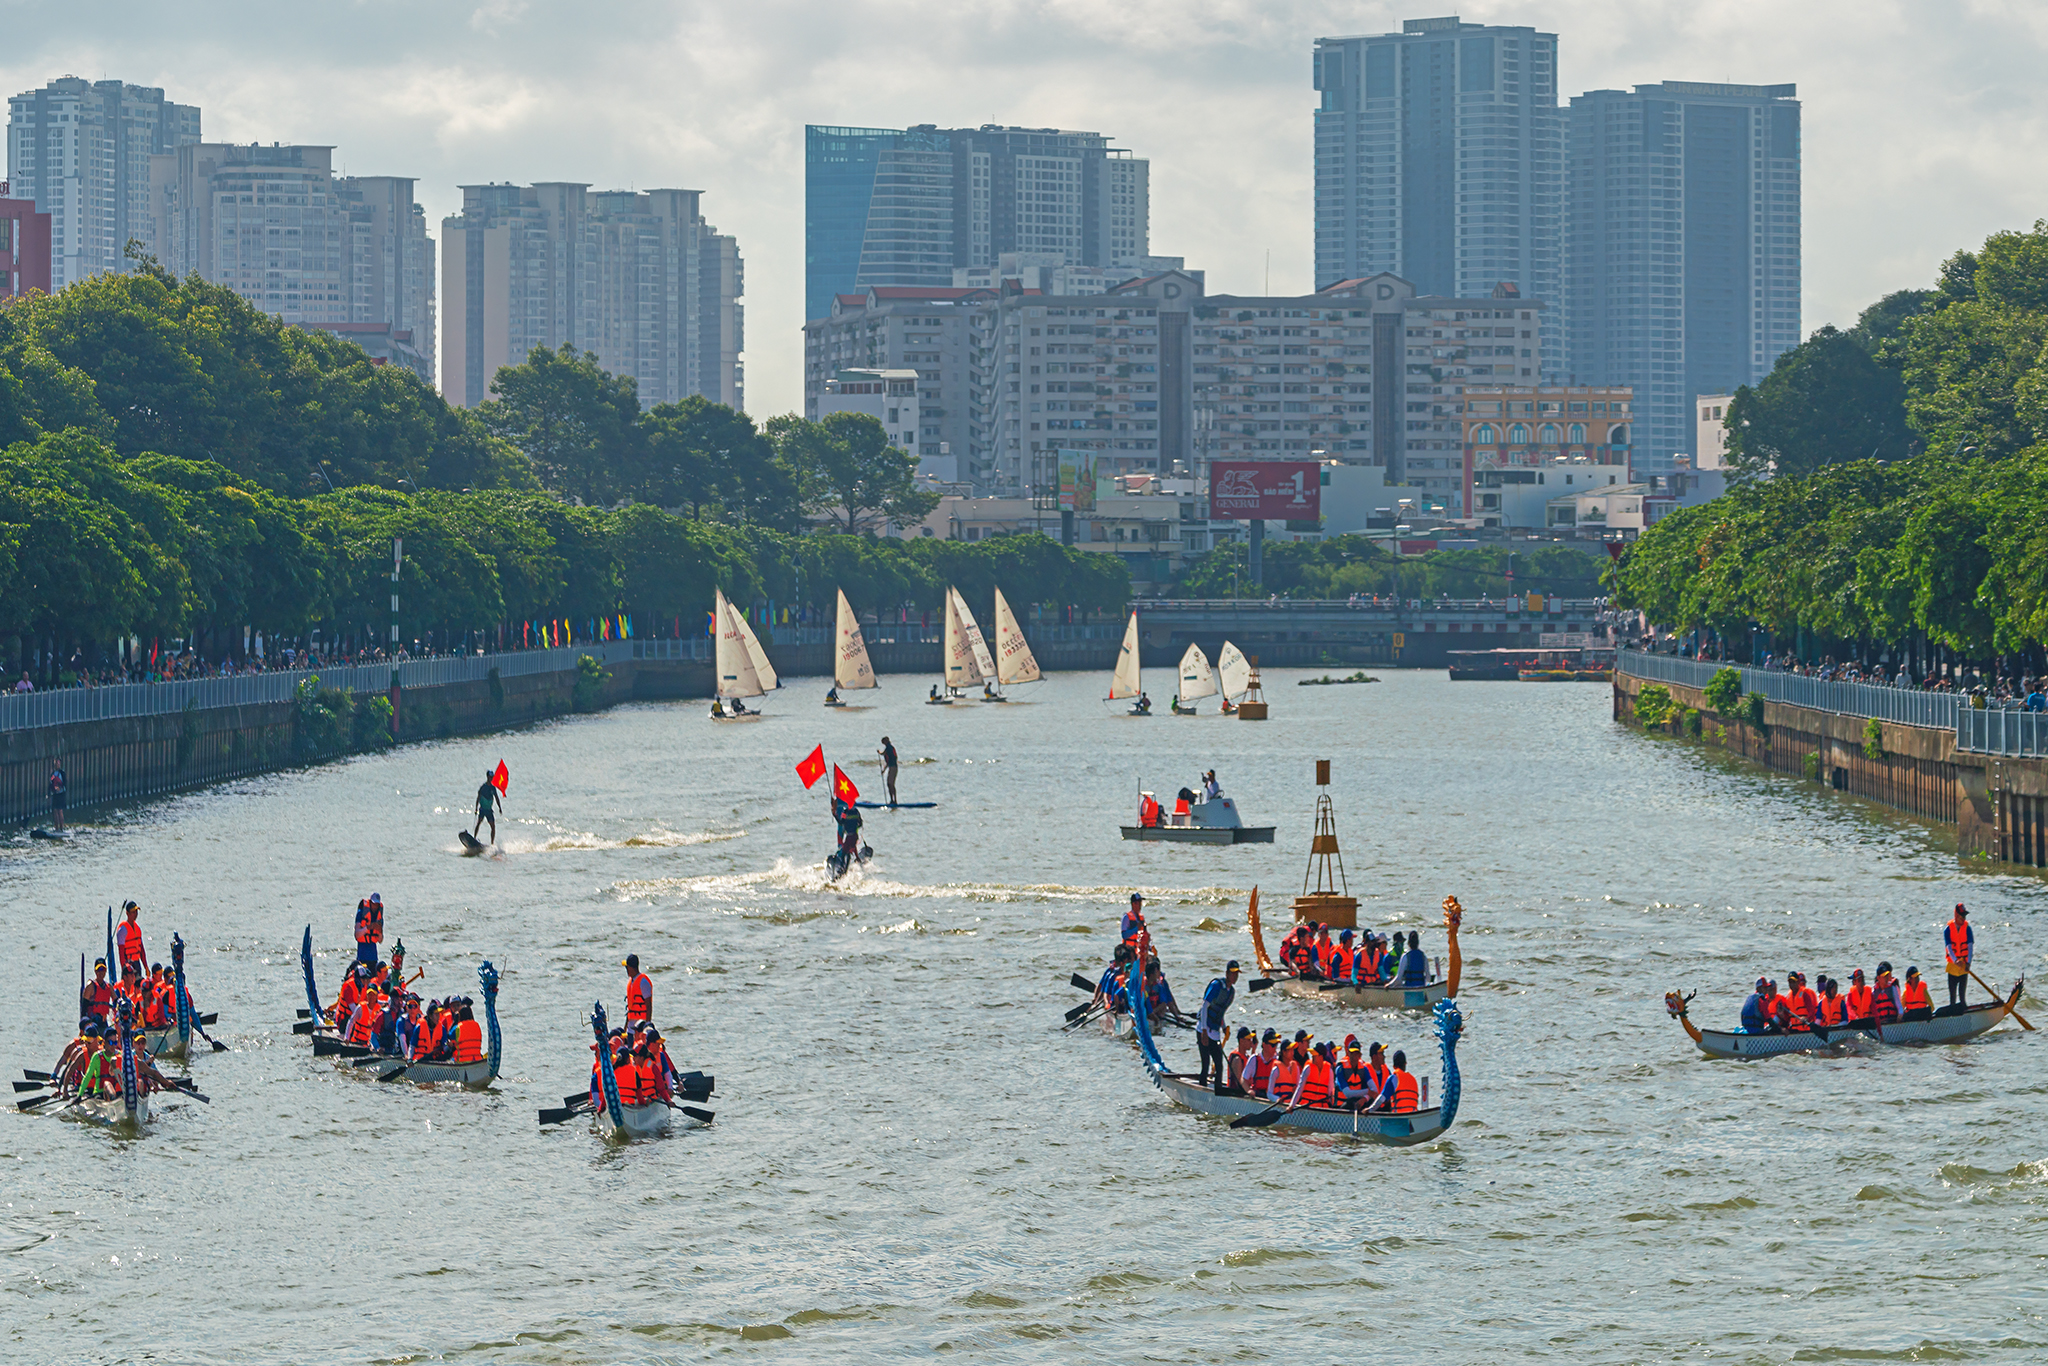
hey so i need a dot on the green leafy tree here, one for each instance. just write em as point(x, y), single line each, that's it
point(847, 470)
point(1827, 401)
point(577, 424)
point(707, 461)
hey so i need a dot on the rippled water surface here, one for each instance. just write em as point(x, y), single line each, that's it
point(910, 1159)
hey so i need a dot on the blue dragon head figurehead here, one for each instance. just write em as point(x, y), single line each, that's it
point(130, 1090)
point(178, 982)
point(1450, 1027)
point(607, 1078)
point(487, 976)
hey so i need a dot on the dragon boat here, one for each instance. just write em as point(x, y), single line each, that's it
point(175, 1039)
point(395, 1067)
point(1358, 995)
point(129, 1111)
point(1378, 1126)
point(1948, 1025)
point(620, 1122)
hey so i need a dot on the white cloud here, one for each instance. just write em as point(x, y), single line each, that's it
point(1923, 120)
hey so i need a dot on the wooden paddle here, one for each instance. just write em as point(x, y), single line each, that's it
point(1996, 997)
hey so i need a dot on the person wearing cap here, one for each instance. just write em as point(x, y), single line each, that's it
point(1247, 1048)
point(469, 1037)
point(1159, 1002)
point(369, 929)
point(1414, 963)
point(1801, 1001)
point(639, 990)
point(1403, 1093)
point(1354, 1082)
point(156, 998)
point(1258, 1067)
point(1756, 1011)
point(1958, 946)
point(128, 939)
point(1884, 996)
point(97, 1000)
point(1210, 1027)
point(1109, 988)
point(1302, 956)
point(1286, 1076)
point(1318, 1084)
point(1344, 958)
point(1913, 1001)
point(1856, 1000)
point(1376, 1067)
point(1325, 952)
point(1134, 921)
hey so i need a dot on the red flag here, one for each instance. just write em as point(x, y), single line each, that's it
point(812, 768)
point(502, 779)
point(842, 786)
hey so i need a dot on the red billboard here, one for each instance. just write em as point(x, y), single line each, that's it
point(1268, 490)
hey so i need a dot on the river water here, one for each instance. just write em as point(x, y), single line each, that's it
point(911, 1160)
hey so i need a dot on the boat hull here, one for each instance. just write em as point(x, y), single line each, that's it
point(641, 1121)
point(1966, 1024)
point(111, 1112)
point(1398, 1131)
point(1365, 998)
point(164, 1043)
point(1117, 1024)
point(1201, 834)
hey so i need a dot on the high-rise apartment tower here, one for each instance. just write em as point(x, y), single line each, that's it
point(80, 149)
point(1684, 240)
point(884, 206)
point(1439, 158)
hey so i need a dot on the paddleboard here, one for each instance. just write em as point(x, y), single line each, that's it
point(471, 845)
point(897, 806)
point(41, 834)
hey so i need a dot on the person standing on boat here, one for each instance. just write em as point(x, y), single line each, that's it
point(1959, 945)
point(1210, 1027)
point(1134, 921)
point(57, 790)
point(128, 940)
point(369, 929)
point(1211, 789)
point(888, 753)
point(98, 997)
point(639, 991)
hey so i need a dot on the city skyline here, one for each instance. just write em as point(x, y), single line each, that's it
point(1224, 113)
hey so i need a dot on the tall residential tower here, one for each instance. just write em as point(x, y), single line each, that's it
point(80, 149)
point(1439, 158)
point(1684, 233)
point(884, 206)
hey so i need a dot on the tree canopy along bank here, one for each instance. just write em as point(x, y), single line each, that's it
point(177, 465)
point(1932, 533)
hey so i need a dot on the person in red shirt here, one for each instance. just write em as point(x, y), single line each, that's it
point(98, 997)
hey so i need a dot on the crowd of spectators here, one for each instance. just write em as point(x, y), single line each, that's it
point(174, 668)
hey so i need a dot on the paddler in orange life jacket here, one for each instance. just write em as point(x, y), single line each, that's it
point(156, 1012)
point(1801, 1001)
point(1403, 1093)
point(1834, 1007)
point(128, 939)
point(1287, 1068)
point(98, 997)
point(1302, 957)
point(1258, 1067)
point(1325, 951)
point(1240, 1059)
point(1354, 1080)
point(1134, 921)
point(1344, 959)
point(1857, 999)
point(1913, 1002)
point(639, 991)
point(1958, 946)
point(1318, 1084)
point(469, 1036)
point(369, 929)
point(1884, 996)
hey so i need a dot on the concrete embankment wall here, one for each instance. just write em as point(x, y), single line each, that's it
point(1998, 805)
point(129, 758)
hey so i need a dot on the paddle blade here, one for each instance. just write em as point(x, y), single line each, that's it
point(21, 1086)
point(701, 1116)
point(203, 1100)
point(1260, 983)
point(305, 1014)
point(1078, 1011)
point(695, 1093)
point(577, 1102)
point(28, 1105)
point(558, 1116)
point(1082, 984)
point(209, 1019)
point(303, 1027)
point(34, 1075)
point(1257, 1121)
point(395, 1074)
point(218, 1046)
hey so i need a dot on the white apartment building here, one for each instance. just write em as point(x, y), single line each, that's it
point(1712, 433)
point(902, 327)
point(889, 397)
point(276, 225)
point(1049, 273)
point(81, 150)
point(640, 280)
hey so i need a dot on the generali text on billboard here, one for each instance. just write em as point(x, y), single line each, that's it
point(1266, 490)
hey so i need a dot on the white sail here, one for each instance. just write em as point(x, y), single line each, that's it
point(960, 663)
point(736, 676)
point(1014, 660)
point(850, 667)
point(1234, 669)
point(972, 630)
point(758, 657)
point(1124, 682)
point(1196, 677)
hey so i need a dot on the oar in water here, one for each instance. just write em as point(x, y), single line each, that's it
point(566, 1113)
point(218, 1046)
point(1259, 984)
point(28, 1105)
point(21, 1086)
point(1263, 1117)
point(1078, 1011)
point(701, 1116)
point(211, 1017)
point(1996, 997)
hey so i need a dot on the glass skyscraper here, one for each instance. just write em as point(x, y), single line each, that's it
point(1684, 247)
point(1439, 158)
point(885, 206)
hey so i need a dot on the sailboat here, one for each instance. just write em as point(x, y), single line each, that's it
point(743, 667)
point(1124, 683)
point(1235, 674)
point(850, 666)
point(1014, 660)
point(1197, 680)
point(967, 658)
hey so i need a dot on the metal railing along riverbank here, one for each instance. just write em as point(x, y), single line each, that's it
point(1978, 730)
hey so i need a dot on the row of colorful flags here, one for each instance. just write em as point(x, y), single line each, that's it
point(559, 632)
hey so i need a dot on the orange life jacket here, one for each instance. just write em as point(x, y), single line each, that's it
point(658, 1068)
point(1378, 1072)
point(1302, 957)
point(1833, 1010)
point(1318, 1083)
point(1286, 1072)
point(1859, 1003)
point(1882, 1007)
point(369, 923)
point(469, 1042)
point(1325, 951)
point(128, 936)
point(1406, 1092)
point(639, 999)
point(636, 1083)
point(1804, 1005)
point(1180, 807)
point(1341, 963)
point(364, 1026)
point(1958, 937)
point(158, 1013)
point(1258, 1070)
point(1914, 997)
point(1353, 1077)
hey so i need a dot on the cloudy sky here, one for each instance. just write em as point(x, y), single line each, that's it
point(1924, 120)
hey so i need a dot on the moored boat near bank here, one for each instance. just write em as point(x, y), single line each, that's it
point(1947, 1026)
